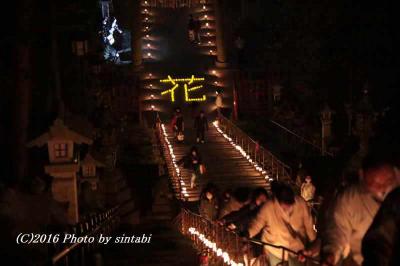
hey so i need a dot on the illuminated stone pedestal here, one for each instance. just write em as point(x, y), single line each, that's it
point(64, 187)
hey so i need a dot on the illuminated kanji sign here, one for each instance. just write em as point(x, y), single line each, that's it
point(188, 86)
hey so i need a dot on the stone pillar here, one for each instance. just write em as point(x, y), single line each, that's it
point(64, 188)
point(136, 35)
point(221, 52)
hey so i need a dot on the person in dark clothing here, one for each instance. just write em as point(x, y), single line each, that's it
point(192, 161)
point(191, 22)
point(197, 28)
point(191, 28)
point(239, 220)
point(240, 198)
point(239, 45)
point(200, 124)
point(208, 207)
point(226, 196)
point(381, 243)
point(178, 124)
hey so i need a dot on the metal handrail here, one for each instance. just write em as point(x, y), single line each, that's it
point(224, 239)
point(100, 222)
point(165, 150)
point(302, 139)
point(259, 154)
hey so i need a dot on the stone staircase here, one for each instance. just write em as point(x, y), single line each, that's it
point(226, 167)
point(167, 51)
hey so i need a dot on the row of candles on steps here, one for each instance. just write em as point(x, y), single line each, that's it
point(174, 162)
point(242, 151)
point(147, 28)
point(213, 246)
point(149, 55)
point(207, 26)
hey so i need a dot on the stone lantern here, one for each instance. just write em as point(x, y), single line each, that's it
point(63, 164)
point(89, 167)
point(326, 122)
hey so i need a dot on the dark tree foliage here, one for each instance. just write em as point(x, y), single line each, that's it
point(331, 46)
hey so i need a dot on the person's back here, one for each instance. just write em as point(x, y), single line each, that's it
point(208, 208)
point(284, 221)
point(352, 215)
point(231, 206)
point(238, 200)
point(355, 210)
point(241, 218)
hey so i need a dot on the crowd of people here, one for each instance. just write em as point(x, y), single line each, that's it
point(192, 160)
point(200, 126)
point(360, 227)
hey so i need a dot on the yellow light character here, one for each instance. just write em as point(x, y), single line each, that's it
point(188, 99)
point(172, 90)
point(186, 81)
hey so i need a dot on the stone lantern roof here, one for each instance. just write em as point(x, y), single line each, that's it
point(59, 131)
point(90, 160)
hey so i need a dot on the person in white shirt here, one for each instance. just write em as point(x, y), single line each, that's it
point(284, 221)
point(354, 211)
point(308, 189)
